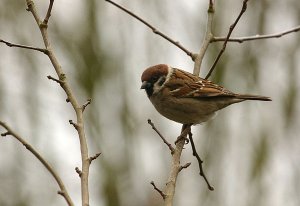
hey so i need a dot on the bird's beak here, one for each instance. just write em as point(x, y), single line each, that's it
point(145, 85)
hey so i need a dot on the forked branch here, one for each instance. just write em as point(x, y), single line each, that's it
point(154, 29)
point(207, 38)
point(63, 191)
point(231, 28)
point(158, 190)
point(48, 14)
point(79, 125)
point(161, 136)
point(169, 190)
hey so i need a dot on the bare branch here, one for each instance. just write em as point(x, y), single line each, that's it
point(161, 136)
point(195, 154)
point(70, 96)
point(46, 19)
point(45, 51)
point(31, 8)
point(231, 28)
point(5, 133)
point(92, 158)
point(78, 171)
point(75, 125)
point(86, 104)
point(63, 190)
point(154, 30)
point(207, 38)
point(158, 190)
point(169, 190)
point(184, 166)
point(54, 79)
point(257, 37)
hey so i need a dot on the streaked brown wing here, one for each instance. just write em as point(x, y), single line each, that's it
point(186, 85)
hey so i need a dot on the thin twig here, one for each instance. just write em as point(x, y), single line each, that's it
point(257, 37)
point(78, 171)
point(92, 158)
point(86, 104)
point(158, 190)
point(63, 191)
point(46, 19)
point(161, 136)
point(5, 133)
point(200, 162)
point(71, 98)
point(207, 38)
point(54, 79)
point(154, 30)
point(75, 125)
point(184, 166)
point(231, 28)
point(45, 51)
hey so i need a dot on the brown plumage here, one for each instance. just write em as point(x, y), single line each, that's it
point(186, 98)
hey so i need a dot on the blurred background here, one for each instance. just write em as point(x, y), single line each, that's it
point(251, 151)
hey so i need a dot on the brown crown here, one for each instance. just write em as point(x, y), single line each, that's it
point(157, 70)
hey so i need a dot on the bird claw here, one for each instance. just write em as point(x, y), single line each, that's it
point(186, 140)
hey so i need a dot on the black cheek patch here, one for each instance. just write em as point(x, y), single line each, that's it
point(149, 90)
point(162, 81)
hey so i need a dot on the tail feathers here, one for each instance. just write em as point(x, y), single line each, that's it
point(253, 97)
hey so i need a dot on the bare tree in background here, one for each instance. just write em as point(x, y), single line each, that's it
point(169, 191)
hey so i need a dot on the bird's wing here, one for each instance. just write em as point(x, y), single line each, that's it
point(186, 85)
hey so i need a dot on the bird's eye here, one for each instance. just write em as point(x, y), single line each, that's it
point(154, 79)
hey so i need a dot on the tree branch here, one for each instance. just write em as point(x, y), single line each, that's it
point(78, 171)
point(207, 39)
point(158, 190)
point(89, 101)
point(63, 191)
point(169, 190)
point(70, 96)
point(154, 30)
point(200, 162)
point(257, 37)
point(24, 46)
point(54, 79)
point(231, 28)
point(92, 158)
point(184, 166)
point(75, 125)
point(46, 19)
point(161, 136)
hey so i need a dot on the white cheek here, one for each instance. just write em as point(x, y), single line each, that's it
point(157, 87)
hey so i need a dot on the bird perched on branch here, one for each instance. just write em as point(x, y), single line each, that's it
point(185, 98)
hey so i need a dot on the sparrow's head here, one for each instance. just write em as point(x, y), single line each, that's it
point(154, 77)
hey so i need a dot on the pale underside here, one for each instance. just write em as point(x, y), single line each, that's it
point(189, 110)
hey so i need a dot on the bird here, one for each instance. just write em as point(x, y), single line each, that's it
point(186, 98)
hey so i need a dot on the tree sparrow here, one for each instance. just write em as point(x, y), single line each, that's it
point(185, 98)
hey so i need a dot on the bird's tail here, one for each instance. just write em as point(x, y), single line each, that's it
point(253, 97)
